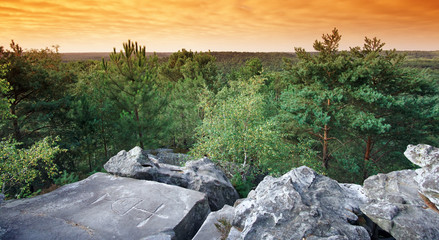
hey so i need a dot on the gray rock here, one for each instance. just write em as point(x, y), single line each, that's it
point(422, 155)
point(299, 205)
point(234, 234)
point(427, 177)
point(104, 206)
point(201, 175)
point(210, 231)
point(167, 156)
point(134, 164)
point(207, 178)
point(396, 206)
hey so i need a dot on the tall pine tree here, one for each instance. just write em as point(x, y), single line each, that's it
point(131, 76)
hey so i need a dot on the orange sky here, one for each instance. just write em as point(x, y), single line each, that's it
point(217, 25)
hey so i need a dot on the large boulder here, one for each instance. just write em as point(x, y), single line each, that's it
point(104, 206)
point(200, 175)
point(397, 207)
point(300, 205)
point(427, 177)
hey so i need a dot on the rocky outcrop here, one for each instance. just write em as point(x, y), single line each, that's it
point(201, 175)
point(427, 157)
point(402, 202)
point(299, 205)
point(104, 206)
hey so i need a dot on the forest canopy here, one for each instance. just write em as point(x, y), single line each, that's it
point(346, 113)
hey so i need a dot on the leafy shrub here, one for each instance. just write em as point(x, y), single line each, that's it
point(19, 168)
point(66, 178)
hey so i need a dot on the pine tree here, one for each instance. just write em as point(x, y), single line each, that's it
point(362, 105)
point(132, 80)
point(316, 97)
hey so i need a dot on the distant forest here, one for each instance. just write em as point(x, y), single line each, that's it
point(272, 61)
point(346, 114)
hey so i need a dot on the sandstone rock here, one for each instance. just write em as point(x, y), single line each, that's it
point(106, 207)
point(209, 229)
point(201, 175)
point(299, 205)
point(396, 206)
point(428, 176)
point(422, 155)
point(134, 164)
point(234, 234)
point(207, 178)
point(167, 156)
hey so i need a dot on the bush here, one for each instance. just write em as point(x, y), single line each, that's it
point(20, 168)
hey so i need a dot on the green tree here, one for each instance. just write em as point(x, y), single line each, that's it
point(390, 105)
point(37, 95)
point(184, 77)
point(251, 68)
point(184, 112)
point(132, 85)
point(20, 167)
point(315, 99)
point(191, 65)
point(362, 106)
point(93, 119)
point(237, 135)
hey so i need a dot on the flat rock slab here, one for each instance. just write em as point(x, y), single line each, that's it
point(104, 206)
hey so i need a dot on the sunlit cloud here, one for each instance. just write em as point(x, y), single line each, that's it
point(235, 25)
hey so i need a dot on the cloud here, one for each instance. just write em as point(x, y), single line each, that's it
point(222, 23)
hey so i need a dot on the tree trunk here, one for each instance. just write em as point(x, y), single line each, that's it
point(325, 154)
point(367, 156)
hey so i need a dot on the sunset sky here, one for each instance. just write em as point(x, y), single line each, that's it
point(216, 25)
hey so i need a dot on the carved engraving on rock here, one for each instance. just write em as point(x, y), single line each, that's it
point(151, 214)
point(124, 206)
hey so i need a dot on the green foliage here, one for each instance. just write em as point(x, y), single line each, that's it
point(359, 109)
point(251, 68)
point(240, 109)
point(5, 102)
point(316, 97)
point(37, 95)
point(235, 132)
point(223, 226)
point(20, 167)
point(244, 183)
point(132, 80)
point(183, 109)
point(304, 154)
point(189, 65)
point(66, 178)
